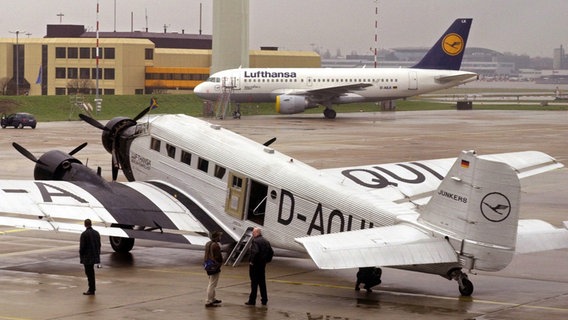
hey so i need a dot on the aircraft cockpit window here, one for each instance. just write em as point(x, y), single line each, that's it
point(155, 144)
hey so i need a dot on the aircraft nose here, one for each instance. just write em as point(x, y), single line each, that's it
point(199, 90)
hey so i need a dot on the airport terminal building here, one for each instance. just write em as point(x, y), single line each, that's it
point(65, 62)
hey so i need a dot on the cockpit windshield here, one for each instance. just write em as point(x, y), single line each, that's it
point(214, 79)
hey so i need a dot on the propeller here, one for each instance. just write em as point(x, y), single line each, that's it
point(112, 132)
point(54, 164)
point(30, 156)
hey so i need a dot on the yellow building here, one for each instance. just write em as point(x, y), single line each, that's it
point(60, 66)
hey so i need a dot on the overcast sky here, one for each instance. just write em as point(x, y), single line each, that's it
point(518, 26)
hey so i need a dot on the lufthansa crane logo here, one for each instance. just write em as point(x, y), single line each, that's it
point(495, 207)
point(452, 44)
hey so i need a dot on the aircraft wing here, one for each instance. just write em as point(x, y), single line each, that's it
point(330, 92)
point(412, 183)
point(538, 235)
point(384, 246)
point(129, 210)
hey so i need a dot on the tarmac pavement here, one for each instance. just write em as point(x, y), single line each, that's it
point(41, 278)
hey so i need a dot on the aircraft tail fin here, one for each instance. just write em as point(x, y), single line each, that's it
point(447, 53)
point(477, 207)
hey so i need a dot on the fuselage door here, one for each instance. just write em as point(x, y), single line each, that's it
point(310, 81)
point(412, 80)
point(236, 195)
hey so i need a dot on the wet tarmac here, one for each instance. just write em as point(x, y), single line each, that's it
point(41, 278)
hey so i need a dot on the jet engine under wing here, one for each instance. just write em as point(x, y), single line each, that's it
point(397, 245)
point(129, 210)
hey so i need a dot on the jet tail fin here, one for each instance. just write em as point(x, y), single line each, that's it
point(477, 208)
point(447, 53)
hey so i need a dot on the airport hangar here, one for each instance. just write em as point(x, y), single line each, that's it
point(65, 62)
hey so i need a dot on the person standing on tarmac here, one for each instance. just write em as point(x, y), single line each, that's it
point(90, 254)
point(213, 252)
point(260, 254)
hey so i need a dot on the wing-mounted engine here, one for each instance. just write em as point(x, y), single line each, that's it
point(291, 104)
point(58, 165)
point(116, 138)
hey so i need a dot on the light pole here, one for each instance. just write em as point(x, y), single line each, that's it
point(17, 32)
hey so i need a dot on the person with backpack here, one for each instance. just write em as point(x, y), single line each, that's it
point(260, 254)
point(212, 261)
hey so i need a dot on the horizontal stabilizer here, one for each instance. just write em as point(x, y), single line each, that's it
point(537, 235)
point(526, 163)
point(398, 245)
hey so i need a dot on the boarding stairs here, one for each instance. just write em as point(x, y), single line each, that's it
point(223, 103)
point(241, 248)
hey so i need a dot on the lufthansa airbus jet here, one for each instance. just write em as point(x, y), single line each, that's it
point(296, 89)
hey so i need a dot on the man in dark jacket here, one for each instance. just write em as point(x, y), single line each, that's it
point(213, 252)
point(260, 254)
point(90, 254)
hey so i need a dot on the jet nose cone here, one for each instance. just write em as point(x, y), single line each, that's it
point(199, 90)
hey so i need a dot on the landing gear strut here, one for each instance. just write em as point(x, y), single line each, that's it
point(329, 113)
point(465, 285)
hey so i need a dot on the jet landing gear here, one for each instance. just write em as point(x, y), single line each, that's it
point(465, 285)
point(329, 113)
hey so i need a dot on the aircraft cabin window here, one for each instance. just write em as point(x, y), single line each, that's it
point(219, 171)
point(203, 164)
point(185, 157)
point(171, 150)
point(155, 144)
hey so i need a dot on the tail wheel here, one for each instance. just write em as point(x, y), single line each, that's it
point(121, 245)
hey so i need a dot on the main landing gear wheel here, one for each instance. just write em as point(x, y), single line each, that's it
point(329, 113)
point(465, 285)
point(119, 244)
point(122, 245)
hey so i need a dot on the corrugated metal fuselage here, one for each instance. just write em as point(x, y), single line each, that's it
point(241, 183)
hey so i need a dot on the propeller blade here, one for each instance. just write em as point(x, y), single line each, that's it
point(143, 113)
point(114, 173)
point(115, 164)
point(78, 149)
point(92, 122)
point(24, 152)
point(269, 142)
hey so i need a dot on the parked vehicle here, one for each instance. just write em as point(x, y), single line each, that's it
point(19, 120)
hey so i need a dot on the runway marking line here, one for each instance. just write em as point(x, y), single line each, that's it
point(12, 231)
point(460, 299)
